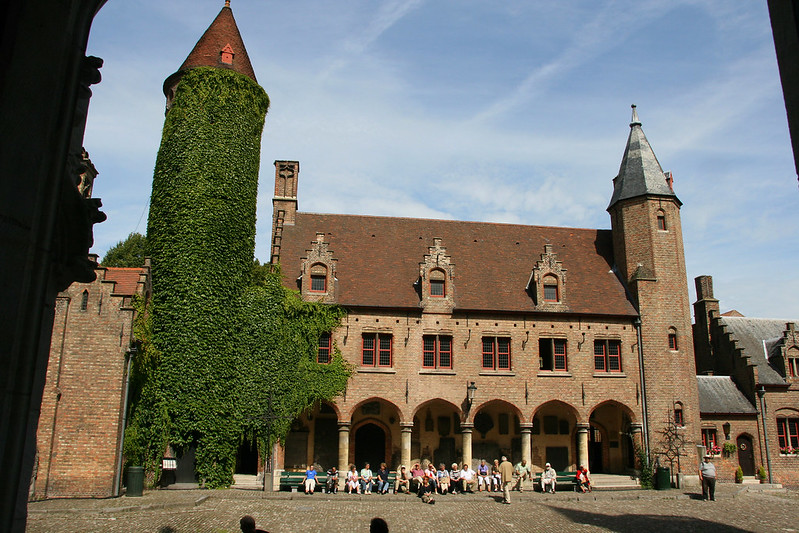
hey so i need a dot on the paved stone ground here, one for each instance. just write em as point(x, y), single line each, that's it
point(735, 509)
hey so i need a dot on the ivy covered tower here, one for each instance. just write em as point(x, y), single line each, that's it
point(201, 235)
point(649, 257)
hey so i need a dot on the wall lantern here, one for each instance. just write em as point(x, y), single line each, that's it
point(470, 390)
point(726, 427)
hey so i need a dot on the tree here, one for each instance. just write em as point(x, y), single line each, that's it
point(128, 253)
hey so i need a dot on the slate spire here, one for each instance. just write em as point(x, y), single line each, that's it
point(640, 173)
point(221, 46)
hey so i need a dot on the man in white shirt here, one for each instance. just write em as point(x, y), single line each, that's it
point(468, 478)
point(549, 478)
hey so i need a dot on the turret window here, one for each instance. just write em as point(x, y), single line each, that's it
point(672, 339)
point(84, 301)
point(661, 218)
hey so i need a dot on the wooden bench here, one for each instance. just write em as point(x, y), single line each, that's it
point(563, 481)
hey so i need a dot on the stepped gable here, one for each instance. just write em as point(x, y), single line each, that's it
point(751, 333)
point(378, 262)
point(212, 50)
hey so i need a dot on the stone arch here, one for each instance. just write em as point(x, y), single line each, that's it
point(497, 430)
point(610, 441)
point(360, 453)
point(437, 434)
point(495, 402)
point(554, 435)
point(383, 414)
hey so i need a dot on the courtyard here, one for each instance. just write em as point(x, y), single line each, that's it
point(737, 508)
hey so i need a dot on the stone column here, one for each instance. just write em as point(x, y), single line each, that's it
point(343, 452)
point(527, 442)
point(582, 445)
point(406, 429)
point(466, 431)
point(637, 433)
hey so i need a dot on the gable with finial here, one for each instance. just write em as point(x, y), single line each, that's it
point(547, 283)
point(435, 283)
point(318, 272)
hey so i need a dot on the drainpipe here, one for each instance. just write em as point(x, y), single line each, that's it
point(644, 410)
point(118, 476)
point(761, 393)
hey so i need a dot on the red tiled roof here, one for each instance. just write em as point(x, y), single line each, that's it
point(223, 31)
point(378, 262)
point(126, 279)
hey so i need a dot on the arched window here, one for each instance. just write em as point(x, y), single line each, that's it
point(318, 278)
point(672, 339)
point(792, 363)
point(679, 419)
point(84, 301)
point(438, 287)
point(661, 218)
point(551, 293)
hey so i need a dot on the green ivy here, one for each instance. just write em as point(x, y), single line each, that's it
point(218, 341)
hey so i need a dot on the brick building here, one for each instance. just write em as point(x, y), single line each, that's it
point(79, 437)
point(749, 390)
point(471, 340)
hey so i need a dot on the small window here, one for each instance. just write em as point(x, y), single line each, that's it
point(788, 434)
point(793, 367)
point(607, 356)
point(437, 284)
point(323, 354)
point(679, 420)
point(552, 354)
point(661, 217)
point(673, 341)
point(376, 349)
point(709, 441)
point(437, 351)
point(319, 278)
point(551, 289)
point(84, 301)
point(496, 353)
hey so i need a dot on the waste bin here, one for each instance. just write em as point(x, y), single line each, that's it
point(135, 481)
point(663, 478)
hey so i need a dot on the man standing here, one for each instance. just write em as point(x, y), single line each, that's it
point(506, 478)
point(707, 474)
point(524, 473)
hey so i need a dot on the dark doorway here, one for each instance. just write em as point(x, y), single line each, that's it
point(746, 455)
point(296, 450)
point(370, 446)
point(595, 450)
point(325, 442)
point(185, 467)
point(247, 458)
point(445, 453)
point(558, 457)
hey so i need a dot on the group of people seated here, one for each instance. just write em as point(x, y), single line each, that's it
point(431, 480)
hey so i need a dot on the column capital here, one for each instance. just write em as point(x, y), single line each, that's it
point(583, 428)
point(636, 427)
point(526, 427)
point(406, 426)
point(466, 427)
point(344, 426)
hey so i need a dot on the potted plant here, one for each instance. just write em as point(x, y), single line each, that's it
point(739, 475)
point(761, 474)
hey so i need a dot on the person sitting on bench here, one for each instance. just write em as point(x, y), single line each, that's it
point(549, 478)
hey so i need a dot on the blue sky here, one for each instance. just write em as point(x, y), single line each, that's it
point(513, 111)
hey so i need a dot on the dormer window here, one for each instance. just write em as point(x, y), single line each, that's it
point(318, 278)
point(437, 283)
point(792, 363)
point(227, 55)
point(550, 284)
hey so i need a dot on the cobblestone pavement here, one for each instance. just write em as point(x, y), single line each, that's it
point(735, 509)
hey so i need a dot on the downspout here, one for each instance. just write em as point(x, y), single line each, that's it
point(118, 476)
point(761, 393)
point(644, 411)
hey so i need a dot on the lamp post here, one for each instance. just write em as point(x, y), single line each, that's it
point(471, 388)
point(761, 393)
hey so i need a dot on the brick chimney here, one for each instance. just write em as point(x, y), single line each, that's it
point(705, 308)
point(284, 202)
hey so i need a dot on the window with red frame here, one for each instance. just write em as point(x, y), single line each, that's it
point(673, 342)
point(607, 356)
point(709, 440)
point(793, 367)
point(437, 351)
point(678, 418)
point(551, 289)
point(788, 434)
point(662, 222)
point(496, 353)
point(552, 355)
point(323, 354)
point(376, 349)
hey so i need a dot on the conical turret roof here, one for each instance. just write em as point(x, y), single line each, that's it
point(221, 46)
point(640, 173)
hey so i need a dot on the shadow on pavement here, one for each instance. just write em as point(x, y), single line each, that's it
point(629, 523)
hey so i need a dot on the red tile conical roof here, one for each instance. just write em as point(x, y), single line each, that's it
point(221, 46)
